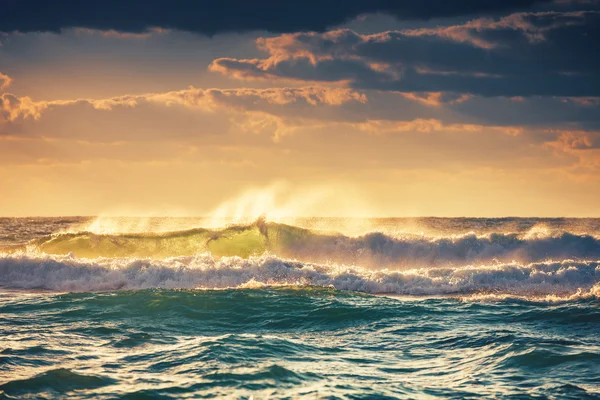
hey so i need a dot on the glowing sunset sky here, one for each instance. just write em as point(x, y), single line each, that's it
point(387, 108)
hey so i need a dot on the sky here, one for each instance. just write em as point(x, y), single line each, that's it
point(307, 108)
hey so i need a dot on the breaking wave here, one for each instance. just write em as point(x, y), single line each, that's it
point(67, 273)
point(533, 263)
point(370, 250)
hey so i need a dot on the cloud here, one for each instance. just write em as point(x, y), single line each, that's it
point(135, 16)
point(283, 111)
point(523, 54)
point(584, 101)
point(489, 33)
point(204, 99)
point(113, 34)
point(436, 99)
point(570, 140)
point(428, 126)
point(256, 110)
point(13, 108)
point(248, 98)
point(584, 146)
point(5, 81)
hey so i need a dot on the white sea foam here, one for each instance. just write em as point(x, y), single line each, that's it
point(67, 273)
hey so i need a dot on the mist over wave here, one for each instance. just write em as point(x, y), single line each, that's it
point(517, 257)
point(375, 249)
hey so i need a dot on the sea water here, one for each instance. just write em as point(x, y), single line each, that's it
point(309, 308)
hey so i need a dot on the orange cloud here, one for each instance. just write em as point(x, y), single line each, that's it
point(293, 46)
point(573, 140)
point(206, 99)
point(468, 32)
point(583, 101)
point(256, 110)
point(584, 146)
point(243, 98)
point(255, 69)
point(5, 81)
point(13, 108)
point(435, 99)
point(430, 125)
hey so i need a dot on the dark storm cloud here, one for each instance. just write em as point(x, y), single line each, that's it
point(523, 54)
point(211, 17)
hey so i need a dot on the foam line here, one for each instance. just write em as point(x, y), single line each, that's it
point(67, 273)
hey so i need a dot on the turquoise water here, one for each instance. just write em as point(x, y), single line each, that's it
point(294, 342)
point(462, 308)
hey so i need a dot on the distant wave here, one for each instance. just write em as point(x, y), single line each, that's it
point(370, 250)
point(67, 273)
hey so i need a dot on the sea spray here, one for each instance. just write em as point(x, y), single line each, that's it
point(373, 249)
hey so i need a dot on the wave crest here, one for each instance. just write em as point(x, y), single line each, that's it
point(67, 273)
point(372, 250)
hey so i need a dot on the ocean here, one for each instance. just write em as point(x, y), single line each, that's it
point(316, 308)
